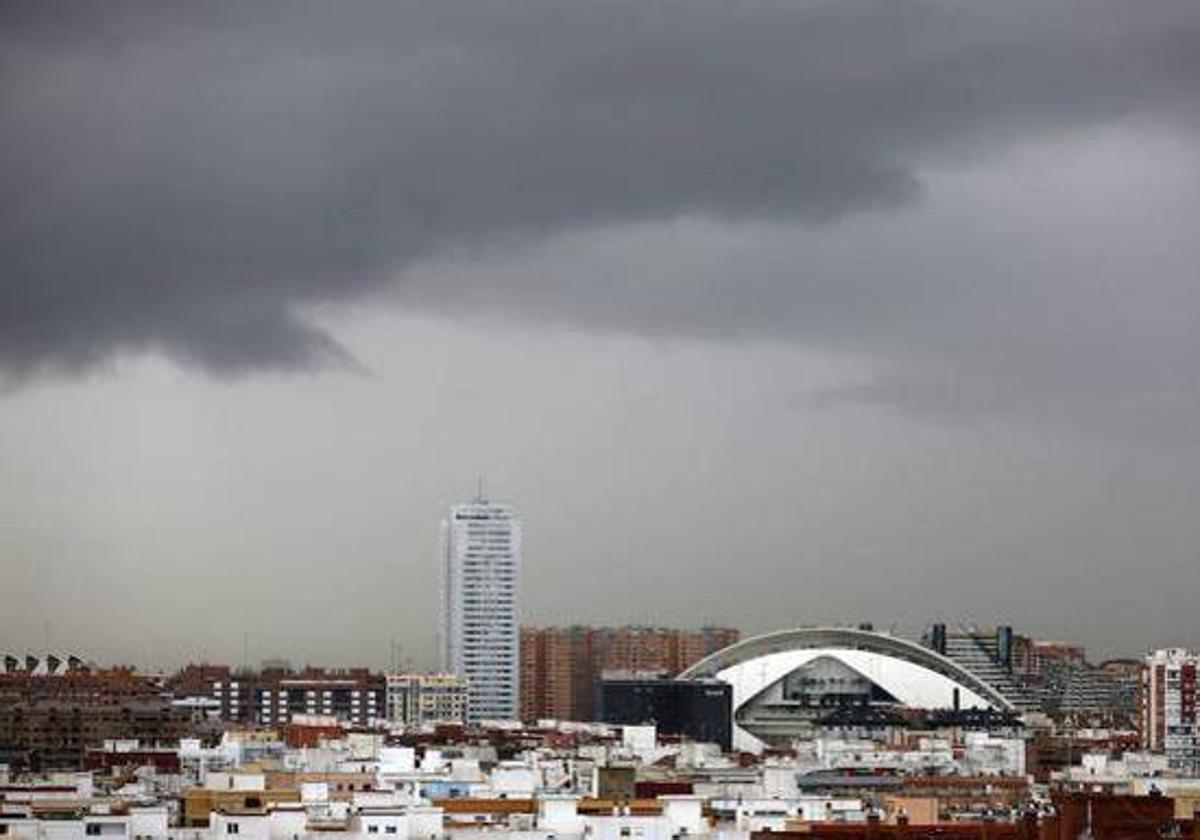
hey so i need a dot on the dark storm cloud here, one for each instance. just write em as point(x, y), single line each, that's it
point(186, 178)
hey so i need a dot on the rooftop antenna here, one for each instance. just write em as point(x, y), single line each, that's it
point(480, 497)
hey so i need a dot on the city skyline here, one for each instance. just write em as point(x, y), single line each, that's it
point(620, 420)
point(708, 637)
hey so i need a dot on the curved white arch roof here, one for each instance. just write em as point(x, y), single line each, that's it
point(914, 675)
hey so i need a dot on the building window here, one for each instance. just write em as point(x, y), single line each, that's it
point(93, 829)
point(231, 828)
point(372, 829)
point(391, 829)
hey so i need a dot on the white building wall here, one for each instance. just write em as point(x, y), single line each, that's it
point(515, 780)
point(286, 823)
point(559, 814)
point(238, 826)
point(481, 545)
point(20, 828)
point(779, 780)
point(628, 827)
point(684, 813)
point(385, 826)
point(64, 830)
point(397, 760)
point(148, 823)
point(424, 823)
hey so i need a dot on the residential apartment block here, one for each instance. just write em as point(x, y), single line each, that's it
point(352, 695)
point(481, 549)
point(420, 699)
point(560, 666)
point(1168, 708)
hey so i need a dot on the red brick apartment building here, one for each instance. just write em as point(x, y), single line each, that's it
point(560, 665)
point(50, 721)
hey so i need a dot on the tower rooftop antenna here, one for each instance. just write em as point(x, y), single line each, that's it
point(480, 495)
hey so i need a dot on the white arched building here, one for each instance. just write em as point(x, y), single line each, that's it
point(783, 679)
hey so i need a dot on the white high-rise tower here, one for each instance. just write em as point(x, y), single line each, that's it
point(481, 550)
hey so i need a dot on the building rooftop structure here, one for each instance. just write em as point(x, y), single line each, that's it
point(786, 681)
point(559, 782)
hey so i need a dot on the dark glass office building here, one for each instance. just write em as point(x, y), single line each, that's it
point(700, 710)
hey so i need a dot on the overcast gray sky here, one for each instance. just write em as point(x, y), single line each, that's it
point(765, 313)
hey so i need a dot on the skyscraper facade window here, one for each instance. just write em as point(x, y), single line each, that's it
point(1169, 720)
point(481, 547)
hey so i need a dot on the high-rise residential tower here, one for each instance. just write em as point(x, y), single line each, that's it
point(1170, 724)
point(481, 552)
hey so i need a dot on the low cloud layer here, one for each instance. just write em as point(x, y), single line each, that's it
point(187, 179)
